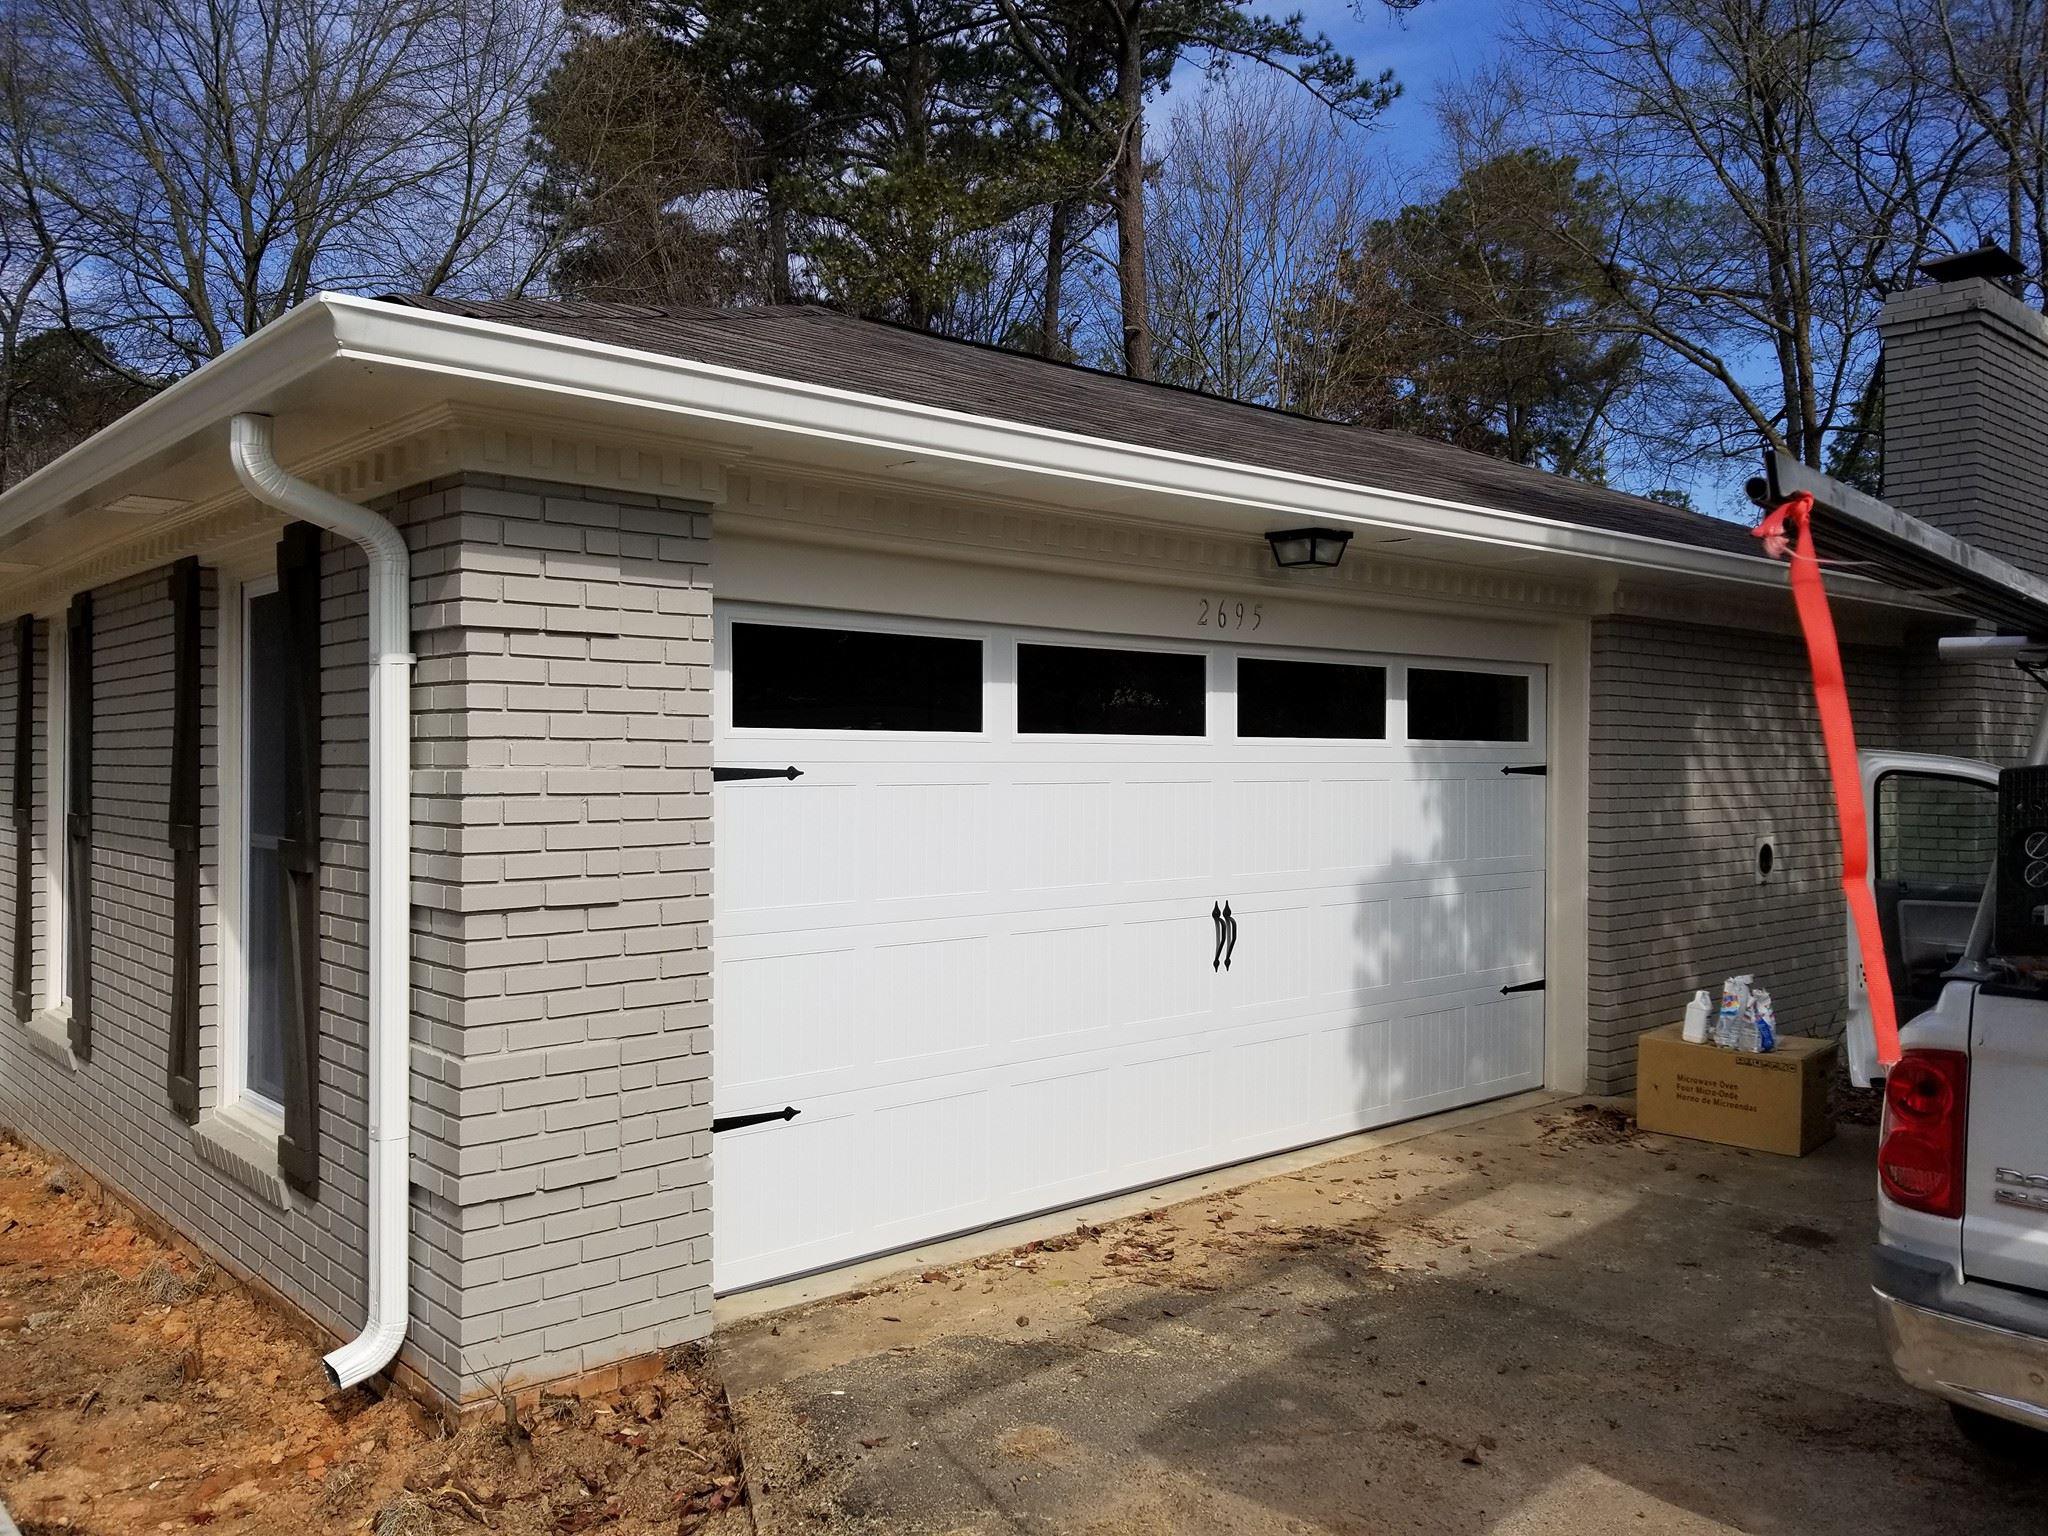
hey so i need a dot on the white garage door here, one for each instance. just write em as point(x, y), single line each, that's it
point(1050, 916)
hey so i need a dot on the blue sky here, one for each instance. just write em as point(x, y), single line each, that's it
point(1424, 47)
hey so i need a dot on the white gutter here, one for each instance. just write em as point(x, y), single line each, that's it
point(390, 1097)
point(580, 374)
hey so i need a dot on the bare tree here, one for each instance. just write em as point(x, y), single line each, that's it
point(1769, 177)
point(215, 161)
point(1103, 58)
point(1257, 189)
point(1989, 59)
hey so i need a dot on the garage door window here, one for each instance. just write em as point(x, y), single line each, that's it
point(1445, 705)
point(1328, 700)
point(1073, 690)
point(795, 677)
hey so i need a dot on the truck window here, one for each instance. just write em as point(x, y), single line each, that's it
point(1935, 831)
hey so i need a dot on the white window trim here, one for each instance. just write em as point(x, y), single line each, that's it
point(234, 1096)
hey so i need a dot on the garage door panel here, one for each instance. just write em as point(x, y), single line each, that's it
point(1354, 949)
point(1504, 817)
point(1164, 1109)
point(787, 1195)
point(1057, 834)
point(982, 967)
point(1162, 971)
point(1504, 1041)
point(1351, 1064)
point(1272, 826)
point(783, 1016)
point(1272, 964)
point(1272, 1088)
point(1355, 818)
point(1460, 932)
point(927, 1000)
point(816, 822)
point(928, 1164)
point(926, 840)
point(1053, 981)
point(1056, 1134)
point(1426, 1053)
point(1164, 830)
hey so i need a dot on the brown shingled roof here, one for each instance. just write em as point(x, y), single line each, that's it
point(821, 346)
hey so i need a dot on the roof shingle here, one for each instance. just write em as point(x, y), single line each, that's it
point(815, 345)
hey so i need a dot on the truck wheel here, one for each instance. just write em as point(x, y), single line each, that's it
point(1998, 1437)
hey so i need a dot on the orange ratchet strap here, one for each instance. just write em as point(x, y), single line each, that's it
point(1838, 734)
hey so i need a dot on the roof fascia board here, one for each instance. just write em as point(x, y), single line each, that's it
point(333, 327)
point(494, 352)
point(287, 349)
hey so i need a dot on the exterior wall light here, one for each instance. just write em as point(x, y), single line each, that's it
point(1308, 546)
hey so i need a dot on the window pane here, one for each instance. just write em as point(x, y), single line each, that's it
point(1072, 690)
point(1935, 831)
point(266, 727)
point(1310, 698)
point(788, 677)
point(1444, 705)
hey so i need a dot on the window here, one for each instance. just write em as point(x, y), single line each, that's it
point(57, 824)
point(1935, 831)
point(1071, 690)
point(1310, 698)
point(793, 677)
point(265, 719)
point(1445, 705)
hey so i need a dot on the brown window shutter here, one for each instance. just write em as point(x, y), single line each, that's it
point(78, 825)
point(24, 815)
point(183, 1078)
point(298, 582)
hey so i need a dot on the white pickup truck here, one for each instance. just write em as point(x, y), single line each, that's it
point(1961, 1263)
point(1959, 867)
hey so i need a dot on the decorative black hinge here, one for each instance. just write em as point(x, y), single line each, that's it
point(1535, 770)
point(726, 775)
point(1526, 986)
point(759, 1117)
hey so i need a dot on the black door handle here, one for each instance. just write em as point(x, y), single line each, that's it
point(1216, 917)
point(1230, 927)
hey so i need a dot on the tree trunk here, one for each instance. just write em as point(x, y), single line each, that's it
point(780, 289)
point(1128, 193)
point(1052, 340)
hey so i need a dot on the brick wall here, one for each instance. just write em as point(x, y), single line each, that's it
point(111, 1115)
point(562, 882)
point(560, 908)
point(1704, 741)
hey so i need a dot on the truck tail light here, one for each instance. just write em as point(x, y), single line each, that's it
point(1920, 1155)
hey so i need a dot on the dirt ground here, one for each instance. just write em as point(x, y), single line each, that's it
point(142, 1393)
point(1547, 1322)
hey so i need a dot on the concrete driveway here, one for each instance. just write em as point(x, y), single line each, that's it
point(1541, 1321)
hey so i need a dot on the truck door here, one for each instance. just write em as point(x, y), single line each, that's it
point(1933, 826)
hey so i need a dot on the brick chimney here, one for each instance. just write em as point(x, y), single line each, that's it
point(1966, 449)
point(1966, 407)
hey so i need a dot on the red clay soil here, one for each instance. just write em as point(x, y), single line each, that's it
point(143, 1392)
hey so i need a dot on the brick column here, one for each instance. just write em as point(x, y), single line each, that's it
point(562, 991)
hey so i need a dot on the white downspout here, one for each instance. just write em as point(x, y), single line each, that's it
point(390, 1098)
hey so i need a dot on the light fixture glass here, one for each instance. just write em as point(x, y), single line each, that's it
point(1308, 546)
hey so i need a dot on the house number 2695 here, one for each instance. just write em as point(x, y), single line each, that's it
point(1225, 613)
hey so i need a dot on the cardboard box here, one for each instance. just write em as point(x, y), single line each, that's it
point(1776, 1102)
